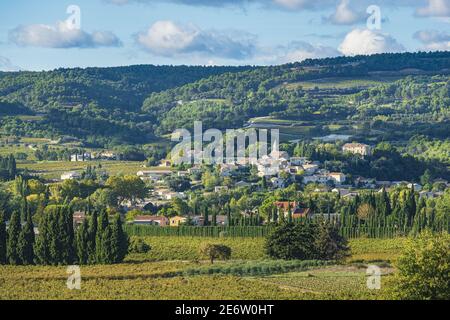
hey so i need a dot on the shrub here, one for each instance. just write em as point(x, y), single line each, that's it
point(424, 269)
point(215, 251)
point(138, 245)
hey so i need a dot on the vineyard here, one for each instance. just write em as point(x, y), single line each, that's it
point(174, 269)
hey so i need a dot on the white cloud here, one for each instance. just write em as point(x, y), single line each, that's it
point(167, 38)
point(345, 14)
point(434, 40)
point(61, 36)
point(365, 42)
point(435, 8)
point(7, 65)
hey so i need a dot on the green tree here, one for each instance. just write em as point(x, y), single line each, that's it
point(329, 244)
point(26, 242)
point(215, 251)
point(92, 232)
point(424, 269)
point(292, 241)
point(82, 243)
point(119, 242)
point(14, 230)
point(2, 238)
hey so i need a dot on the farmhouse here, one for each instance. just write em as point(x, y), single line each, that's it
point(153, 175)
point(151, 220)
point(177, 221)
point(70, 176)
point(337, 177)
point(357, 148)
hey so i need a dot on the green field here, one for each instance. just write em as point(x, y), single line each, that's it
point(159, 275)
point(340, 83)
point(54, 169)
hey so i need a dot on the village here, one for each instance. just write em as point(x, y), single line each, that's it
point(268, 174)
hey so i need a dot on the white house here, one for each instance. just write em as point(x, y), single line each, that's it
point(337, 177)
point(153, 175)
point(70, 176)
point(220, 188)
point(357, 148)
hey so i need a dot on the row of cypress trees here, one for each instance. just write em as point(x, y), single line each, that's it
point(96, 241)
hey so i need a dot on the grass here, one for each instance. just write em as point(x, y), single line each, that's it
point(185, 248)
point(167, 273)
point(54, 169)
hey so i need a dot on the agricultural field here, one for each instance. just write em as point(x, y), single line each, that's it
point(340, 83)
point(173, 269)
point(54, 169)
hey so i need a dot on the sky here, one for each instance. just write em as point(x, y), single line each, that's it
point(47, 34)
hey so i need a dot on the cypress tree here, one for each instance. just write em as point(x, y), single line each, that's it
point(2, 239)
point(92, 234)
point(119, 241)
point(106, 252)
point(102, 225)
point(205, 217)
point(229, 222)
point(14, 230)
point(69, 241)
point(42, 246)
point(82, 241)
point(26, 241)
point(214, 218)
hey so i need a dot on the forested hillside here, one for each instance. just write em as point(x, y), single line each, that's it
point(286, 92)
point(98, 105)
point(401, 94)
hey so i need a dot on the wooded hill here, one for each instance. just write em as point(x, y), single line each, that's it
point(138, 103)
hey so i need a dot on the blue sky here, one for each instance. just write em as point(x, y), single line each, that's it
point(34, 35)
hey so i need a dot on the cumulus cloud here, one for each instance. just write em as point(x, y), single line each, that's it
point(167, 38)
point(365, 42)
point(435, 8)
point(345, 14)
point(7, 65)
point(61, 36)
point(434, 40)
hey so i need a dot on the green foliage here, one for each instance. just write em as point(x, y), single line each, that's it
point(82, 242)
point(8, 169)
point(292, 241)
point(215, 251)
point(424, 269)
point(26, 241)
point(138, 245)
point(55, 243)
point(3, 242)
